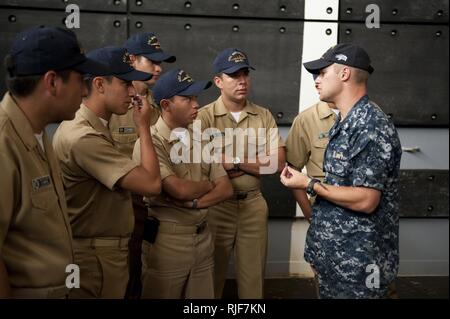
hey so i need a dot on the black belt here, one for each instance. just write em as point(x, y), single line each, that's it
point(241, 195)
point(201, 227)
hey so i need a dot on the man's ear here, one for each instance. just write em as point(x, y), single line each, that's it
point(164, 104)
point(50, 82)
point(345, 73)
point(98, 83)
point(218, 81)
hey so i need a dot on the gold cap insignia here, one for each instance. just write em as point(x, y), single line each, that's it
point(126, 58)
point(154, 42)
point(184, 77)
point(237, 57)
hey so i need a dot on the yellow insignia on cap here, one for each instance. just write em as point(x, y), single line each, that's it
point(237, 57)
point(184, 77)
point(126, 58)
point(154, 42)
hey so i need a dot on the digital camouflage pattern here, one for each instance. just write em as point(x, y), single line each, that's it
point(364, 151)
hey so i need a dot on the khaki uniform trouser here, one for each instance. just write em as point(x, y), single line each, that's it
point(240, 226)
point(103, 268)
point(179, 264)
point(59, 292)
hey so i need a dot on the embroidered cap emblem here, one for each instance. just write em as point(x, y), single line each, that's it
point(184, 77)
point(154, 42)
point(237, 57)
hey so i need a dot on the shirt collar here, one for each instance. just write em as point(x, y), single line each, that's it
point(163, 129)
point(220, 108)
point(350, 118)
point(94, 120)
point(352, 115)
point(19, 121)
point(324, 110)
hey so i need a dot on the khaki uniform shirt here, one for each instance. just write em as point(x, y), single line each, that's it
point(35, 235)
point(123, 129)
point(161, 206)
point(216, 115)
point(308, 139)
point(91, 167)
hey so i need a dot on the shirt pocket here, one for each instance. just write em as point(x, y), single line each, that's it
point(341, 160)
point(124, 138)
point(320, 143)
point(45, 223)
point(44, 199)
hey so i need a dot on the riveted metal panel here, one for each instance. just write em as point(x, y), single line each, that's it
point(273, 47)
point(110, 29)
point(281, 9)
point(280, 200)
point(434, 11)
point(411, 76)
point(424, 193)
point(98, 5)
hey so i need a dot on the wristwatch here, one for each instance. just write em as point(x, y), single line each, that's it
point(194, 203)
point(236, 163)
point(310, 188)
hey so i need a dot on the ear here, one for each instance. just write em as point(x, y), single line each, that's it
point(345, 74)
point(218, 81)
point(164, 104)
point(98, 83)
point(50, 82)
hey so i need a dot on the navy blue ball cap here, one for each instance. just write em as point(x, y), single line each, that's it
point(147, 45)
point(39, 49)
point(231, 60)
point(342, 53)
point(117, 60)
point(177, 82)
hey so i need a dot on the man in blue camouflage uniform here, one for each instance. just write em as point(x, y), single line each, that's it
point(352, 243)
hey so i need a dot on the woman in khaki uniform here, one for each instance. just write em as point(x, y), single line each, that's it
point(44, 85)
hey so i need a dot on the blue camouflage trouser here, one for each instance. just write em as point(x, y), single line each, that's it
point(334, 286)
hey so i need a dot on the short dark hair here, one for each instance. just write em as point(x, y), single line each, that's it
point(88, 82)
point(23, 86)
